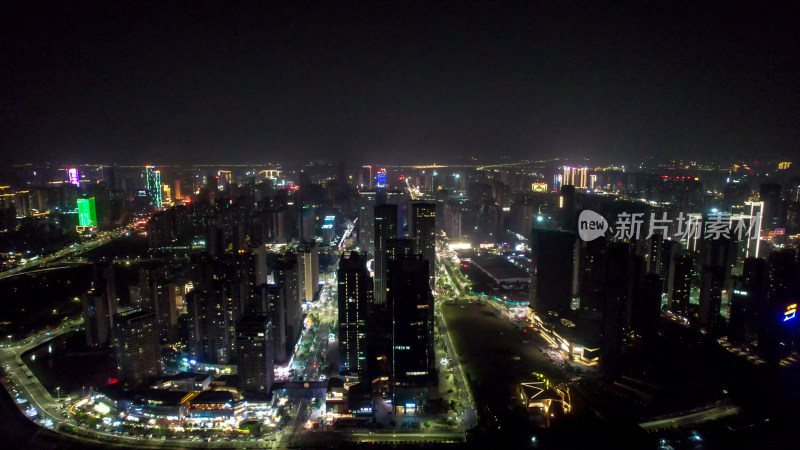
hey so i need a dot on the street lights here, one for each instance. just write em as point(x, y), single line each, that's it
point(58, 393)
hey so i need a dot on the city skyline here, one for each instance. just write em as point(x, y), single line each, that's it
point(406, 224)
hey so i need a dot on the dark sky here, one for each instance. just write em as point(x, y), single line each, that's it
point(397, 81)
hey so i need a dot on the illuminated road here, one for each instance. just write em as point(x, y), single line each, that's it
point(408, 438)
point(692, 418)
point(21, 379)
point(74, 249)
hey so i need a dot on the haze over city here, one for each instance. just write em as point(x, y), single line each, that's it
point(251, 82)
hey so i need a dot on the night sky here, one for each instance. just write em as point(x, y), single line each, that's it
point(167, 82)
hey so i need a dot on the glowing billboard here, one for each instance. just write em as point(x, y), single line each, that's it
point(74, 176)
point(87, 214)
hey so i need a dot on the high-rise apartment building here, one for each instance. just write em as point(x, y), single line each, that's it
point(138, 354)
point(254, 354)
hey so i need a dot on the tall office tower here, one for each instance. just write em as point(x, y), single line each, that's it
point(153, 180)
point(355, 289)
point(212, 316)
point(589, 275)
point(569, 212)
point(385, 229)
point(261, 265)
point(622, 271)
point(97, 317)
point(646, 306)
point(778, 333)
point(365, 204)
point(212, 187)
point(270, 300)
point(380, 179)
point(308, 262)
point(553, 255)
point(749, 295)
point(680, 286)
point(652, 257)
point(522, 215)
point(712, 279)
point(746, 226)
point(87, 212)
point(718, 257)
point(669, 251)
point(287, 279)
point(365, 177)
point(306, 221)
point(399, 198)
point(254, 354)
point(773, 215)
point(743, 324)
point(104, 279)
point(412, 343)
point(452, 220)
point(395, 249)
point(138, 353)
point(99, 305)
point(225, 178)
point(166, 308)
point(423, 233)
point(783, 277)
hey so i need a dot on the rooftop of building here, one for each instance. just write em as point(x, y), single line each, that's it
point(500, 268)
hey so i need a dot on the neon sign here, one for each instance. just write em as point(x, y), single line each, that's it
point(790, 313)
point(74, 177)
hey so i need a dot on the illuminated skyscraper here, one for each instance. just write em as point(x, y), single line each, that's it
point(74, 176)
point(87, 213)
point(773, 213)
point(381, 179)
point(423, 234)
point(254, 353)
point(680, 286)
point(365, 203)
point(575, 176)
point(412, 332)
point(308, 273)
point(365, 177)
point(153, 177)
point(558, 181)
point(385, 229)
point(355, 287)
point(212, 316)
point(225, 177)
point(137, 346)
